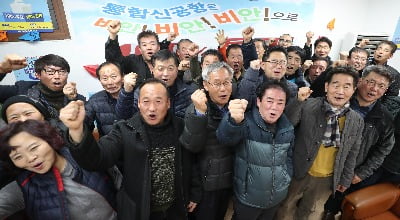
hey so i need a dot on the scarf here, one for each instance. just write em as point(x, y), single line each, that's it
point(332, 133)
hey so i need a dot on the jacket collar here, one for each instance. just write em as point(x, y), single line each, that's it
point(282, 125)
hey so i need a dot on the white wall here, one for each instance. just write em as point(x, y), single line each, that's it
point(352, 16)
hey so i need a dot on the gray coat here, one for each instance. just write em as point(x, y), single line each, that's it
point(310, 122)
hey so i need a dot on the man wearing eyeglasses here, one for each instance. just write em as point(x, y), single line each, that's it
point(52, 89)
point(215, 160)
point(272, 67)
point(285, 40)
point(377, 137)
point(165, 65)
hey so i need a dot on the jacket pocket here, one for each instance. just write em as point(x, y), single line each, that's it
point(219, 174)
point(126, 207)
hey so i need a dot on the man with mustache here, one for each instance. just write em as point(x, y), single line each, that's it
point(52, 89)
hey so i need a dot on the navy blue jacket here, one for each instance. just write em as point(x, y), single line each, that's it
point(44, 194)
point(100, 108)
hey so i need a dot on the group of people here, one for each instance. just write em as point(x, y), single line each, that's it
point(278, 131)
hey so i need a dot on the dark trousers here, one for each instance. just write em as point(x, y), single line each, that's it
point(213, 205)
point(244, 212)
point(333, 204)
point(172, 213)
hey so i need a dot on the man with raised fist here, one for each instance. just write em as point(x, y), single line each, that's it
point(262, 139)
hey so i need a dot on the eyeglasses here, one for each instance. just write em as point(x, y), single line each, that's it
point(217, 85)
point(373, 83)
point(285, 41)
point(363, 59)
point(276, 62)
point(52, 72)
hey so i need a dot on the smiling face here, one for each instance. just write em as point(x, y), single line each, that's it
point(285, 41)
point(153, 103)
point(148, 46)
point(358, 60)
point(383, 53)
point(371, 88)
point(111, 79)
point(339, 90)
point(272, 104)
point(275, 70)
point(55, 82)
point(322, 49)
point(34, 154)
point(294, 63)
point(22, 111)
point(219, 94)
point(166, 71)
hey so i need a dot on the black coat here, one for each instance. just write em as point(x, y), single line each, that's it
point(215, 159)
point(128, 142)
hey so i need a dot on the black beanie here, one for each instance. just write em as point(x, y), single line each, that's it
point(26, 99)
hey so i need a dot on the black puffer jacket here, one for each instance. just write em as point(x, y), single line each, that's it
point(101, 109)
point(199, 136)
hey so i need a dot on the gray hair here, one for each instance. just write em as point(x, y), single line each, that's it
point(214, 67)
point(378, 69)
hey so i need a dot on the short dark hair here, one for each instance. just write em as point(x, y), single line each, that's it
point(272, 84)
point(264, 44)
point(274, 49)
point(106, 64)
point(51, 59)
point(212, 52)
point(358, 50)
point(178, 45)
point(163, 55)
point(232, 46)
point(40, 129)
point(390, 43)
point(347, 70)
point(297, 50)
point(323, 39)
point(147, 33)
point(317, 58)
point(154, 81)
point(378, 69)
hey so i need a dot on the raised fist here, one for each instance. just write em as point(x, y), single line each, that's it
point(70, 91)
point(247, 34)
point(237, 108)
point(199, 100)
point(303, 93)
point(113, 28)
point(255, 64)
point(130, 82)
point(12, 62)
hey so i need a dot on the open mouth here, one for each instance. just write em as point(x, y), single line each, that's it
point(223, 96)
point(152, 116)
point(38, 166)
point(150, 54)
